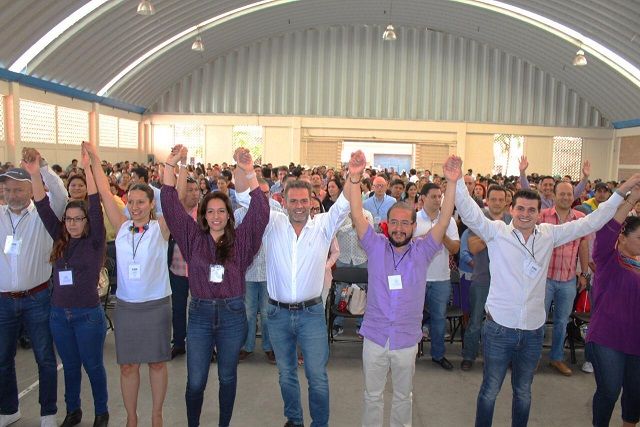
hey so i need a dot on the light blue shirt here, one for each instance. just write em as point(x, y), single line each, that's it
point(379, 209)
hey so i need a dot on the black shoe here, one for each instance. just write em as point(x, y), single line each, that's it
point(444, 363)
point(25, 342)
point(177, 351)
point(466, 365)
point(72, 418)
point(101, 420)
point(292, 424)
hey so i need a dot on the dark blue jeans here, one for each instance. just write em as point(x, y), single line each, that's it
point(79, 335)
point(614, 371)
point(179, 296)
point(501, 346)
point(221, 324)
point(478, 298)
point(33, 311)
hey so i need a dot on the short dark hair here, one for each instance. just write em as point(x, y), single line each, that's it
point(528, 195)
point(405, 206)
point(397, 181)
point(630, 224)
point(142, 173)
point(428, 187)
point(296, 183)
point(542, 178)
point(496, 187)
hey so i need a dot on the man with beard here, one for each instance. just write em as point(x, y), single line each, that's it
point(392, 321)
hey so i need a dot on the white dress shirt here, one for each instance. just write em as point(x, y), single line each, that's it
point(31, 268)
point(296, 264)
point(438, 269)
point(515, 299)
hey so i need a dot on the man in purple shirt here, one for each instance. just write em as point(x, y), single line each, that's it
point(393, 316)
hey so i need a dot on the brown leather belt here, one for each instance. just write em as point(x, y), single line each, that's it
point(28, 292)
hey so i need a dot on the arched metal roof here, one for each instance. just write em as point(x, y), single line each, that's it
point(91, 52)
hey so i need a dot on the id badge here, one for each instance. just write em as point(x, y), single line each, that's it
point(65, 277)
point(216, 273)
point(135, 271)
point(395, 282)
point(531, 268)
point(376, 220)
point(12, 246)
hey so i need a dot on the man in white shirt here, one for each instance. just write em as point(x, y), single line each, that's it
point(24, 287)
point(519, 256)
point(438, 273)
point(297, 249)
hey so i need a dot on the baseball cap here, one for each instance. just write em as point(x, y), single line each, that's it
point(18, 174)
point(602, 186)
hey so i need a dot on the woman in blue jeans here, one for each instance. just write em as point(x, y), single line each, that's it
point(218, 257)
point(613, 340)
point(77, 321)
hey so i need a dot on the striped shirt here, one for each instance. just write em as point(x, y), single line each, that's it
point(562, 266)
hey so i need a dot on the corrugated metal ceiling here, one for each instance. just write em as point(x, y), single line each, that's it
point(113, 36)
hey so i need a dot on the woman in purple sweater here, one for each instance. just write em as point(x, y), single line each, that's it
point(77, 321)
point(218, 257)
point(613, 339)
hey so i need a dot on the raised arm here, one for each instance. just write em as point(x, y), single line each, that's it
point(86, 164)
point(452, 172)
point(523, 165)
point(243, 175)
point(353, 193)
point(586, 171)
point(58, 192)
point(115, 215)
point(178, 152)
point(47, 216)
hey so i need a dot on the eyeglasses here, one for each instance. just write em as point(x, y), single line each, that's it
point(395, 223)
point(315, 209)
point(74, 220)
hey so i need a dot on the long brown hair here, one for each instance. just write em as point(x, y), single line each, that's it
point(224, 246)
point(61, 243)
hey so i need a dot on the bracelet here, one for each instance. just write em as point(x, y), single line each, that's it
point(355, 182)
point(169, 164)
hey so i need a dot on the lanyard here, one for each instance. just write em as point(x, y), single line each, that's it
point(393, 253)
point(14, 228)
point(376, 205)
point(135, 247)
point(531, 252)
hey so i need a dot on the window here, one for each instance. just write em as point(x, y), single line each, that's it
point(37, 122)
point(567, 156)
point(191, 135)
point(507, 150)
point(249, 137)
point(73, 126)
point(108, 131)
point(127, 133)
point(2, 135)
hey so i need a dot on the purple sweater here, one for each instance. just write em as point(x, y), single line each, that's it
point(198, 248)
point(615, 297)
point(85, 256)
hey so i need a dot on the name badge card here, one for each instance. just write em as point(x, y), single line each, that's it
point(135, 271)
point(65, 277)
point(395, 282)
point(12, 246)
point(216, 273)
point(376, 220)
point(531, 268)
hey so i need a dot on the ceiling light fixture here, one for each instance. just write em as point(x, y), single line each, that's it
point(580, 60)
point(146, 8)
point(389, 34)
point(197, 44)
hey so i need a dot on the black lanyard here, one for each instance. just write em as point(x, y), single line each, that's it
point(375, 205)
point(531, 252)
point(14, 228)
point(393, 253)
point(135, 247)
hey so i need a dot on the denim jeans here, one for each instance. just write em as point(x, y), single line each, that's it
point(562, 294)
point(256, 298)
point(339, 320)
point(501, 346)
point(307, 328)
point(614, 371)
point(221, 324)
point(33, 311)
point(79, 335)
point(478, 298)
point(436, 299)
point(179, 297)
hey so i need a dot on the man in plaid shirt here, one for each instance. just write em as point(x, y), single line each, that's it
point(561, 276)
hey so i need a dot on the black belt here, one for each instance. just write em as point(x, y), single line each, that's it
point(296, 305)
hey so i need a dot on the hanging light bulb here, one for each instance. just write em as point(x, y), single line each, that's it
point(146, 8)
point(389, 34)
point(197, 44)
point(580, 60)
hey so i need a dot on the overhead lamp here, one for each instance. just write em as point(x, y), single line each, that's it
point(197, 44)
point(580, 60)
point(389, 34)
point(146, 8)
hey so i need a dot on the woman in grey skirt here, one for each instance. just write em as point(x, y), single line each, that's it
point(143, 308)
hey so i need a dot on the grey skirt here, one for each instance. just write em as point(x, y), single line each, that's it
point(143, 331)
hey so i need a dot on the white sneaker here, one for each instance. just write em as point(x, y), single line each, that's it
point(587, 367)
point(8, 419)
point(48, 421)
